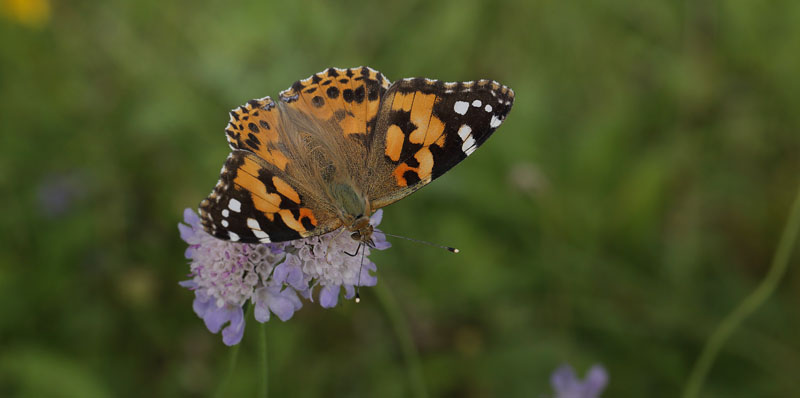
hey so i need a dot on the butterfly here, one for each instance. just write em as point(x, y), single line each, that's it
point(339, 145)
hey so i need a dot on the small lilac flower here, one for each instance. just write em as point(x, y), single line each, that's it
point(567, 385)
point(272, 277)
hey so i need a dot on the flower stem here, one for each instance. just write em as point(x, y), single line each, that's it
point(263, 384)
point(410, 354)
point(233, 356)
point(750, 304)
point(223, 385)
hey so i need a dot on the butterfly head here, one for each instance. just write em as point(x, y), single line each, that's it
point(361, 230)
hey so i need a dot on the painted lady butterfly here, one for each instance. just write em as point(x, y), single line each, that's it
point(339, 145)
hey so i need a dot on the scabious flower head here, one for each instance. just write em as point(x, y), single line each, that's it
point(567, 385)
point(226, 275)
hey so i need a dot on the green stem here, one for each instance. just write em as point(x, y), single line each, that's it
point(750, 304)
point(234, 354)
point(410, 354)
point(263, 384)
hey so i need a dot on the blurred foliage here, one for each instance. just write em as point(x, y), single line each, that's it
point(633, 197)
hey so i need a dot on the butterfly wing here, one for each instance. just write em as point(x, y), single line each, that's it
point(425, 127)
point(286, 153)
point(259, 196)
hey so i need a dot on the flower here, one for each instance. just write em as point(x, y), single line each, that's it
point(272, 277)
point(58, 193)
point(34, 13)
point(567, 385)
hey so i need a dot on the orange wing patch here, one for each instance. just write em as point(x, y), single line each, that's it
point(253, 127)
point(350, 98)
point(264, 201)
point(286, 190)
point(406, 174)
point(427, 130)
point(394, 142)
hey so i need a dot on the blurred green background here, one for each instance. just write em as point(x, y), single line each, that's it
point(633, 197)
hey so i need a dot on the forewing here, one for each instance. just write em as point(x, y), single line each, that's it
point(346, 99)
point(425, 127)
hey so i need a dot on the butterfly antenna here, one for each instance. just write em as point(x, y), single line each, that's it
point(358, 285)
point(448, 248)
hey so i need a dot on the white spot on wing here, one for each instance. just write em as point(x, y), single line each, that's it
point(225, 223)
point(487, 108)
point(261, 235)
point(468, 146)
point(464, 131)
point(495, 121)
point(255, 227)
point(461, 107)
point(233, 236)
point(477, 103)
point(236, 206)
point(470, 149)
point(225, 213)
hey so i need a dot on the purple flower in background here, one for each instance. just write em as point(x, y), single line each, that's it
point(272, 277)
point(57, 193)
point(567, 385)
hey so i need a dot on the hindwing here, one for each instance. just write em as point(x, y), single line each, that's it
point(252, 202)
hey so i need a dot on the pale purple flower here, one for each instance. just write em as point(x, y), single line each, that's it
point(272, 277)
point(567, 385)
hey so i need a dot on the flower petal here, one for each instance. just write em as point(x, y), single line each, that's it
point(190, 284)
point(187, 232)
point(202, 304)
point(282, 305)
point(596, 381)
point(233, 333)
point(366, 278)
point(349, 291)
point(216, 317)
point(261, 310)
point(379, 240)
point(563, 379)
point(191, 217)
point(376, 218)
point(329, 296)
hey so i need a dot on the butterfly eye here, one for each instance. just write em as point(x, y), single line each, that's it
point(355, 236)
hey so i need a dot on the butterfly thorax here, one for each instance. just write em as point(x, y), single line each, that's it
point(354, 210)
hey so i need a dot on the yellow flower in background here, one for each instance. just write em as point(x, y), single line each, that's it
point(33, 13)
